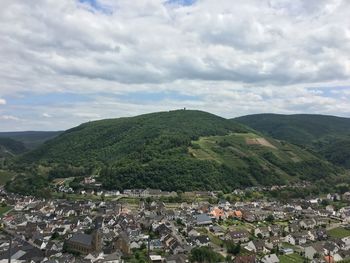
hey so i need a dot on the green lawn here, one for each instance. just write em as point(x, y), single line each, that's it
point(287, 245)
point(339, 232)
point(4, 209)
point(214, 239)
point(296, 258)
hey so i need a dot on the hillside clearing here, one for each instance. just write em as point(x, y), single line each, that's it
point(260, 141)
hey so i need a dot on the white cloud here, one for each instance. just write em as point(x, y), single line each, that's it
point(237, 58)
point(2, 101)
point(46, 115)
point(9, 118)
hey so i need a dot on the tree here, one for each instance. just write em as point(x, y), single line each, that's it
point(205, 255)
point(55, 235)
point(233, 248)
point(270, 218)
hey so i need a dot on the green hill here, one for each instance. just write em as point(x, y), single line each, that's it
point(329, 136)
point(10, 147)
point(30, 139)
point(176, 150)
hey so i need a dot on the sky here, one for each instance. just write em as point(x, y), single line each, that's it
point(66, 62)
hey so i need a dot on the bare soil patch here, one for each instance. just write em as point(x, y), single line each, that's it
point(259, 141)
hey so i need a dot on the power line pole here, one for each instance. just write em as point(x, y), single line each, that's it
point(10, 248)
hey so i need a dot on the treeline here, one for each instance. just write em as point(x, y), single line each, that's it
point(34, 185)
point(185, 174)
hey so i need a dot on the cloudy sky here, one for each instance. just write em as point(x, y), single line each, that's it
point(70, 61)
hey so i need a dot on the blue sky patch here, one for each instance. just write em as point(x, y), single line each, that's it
point(182, 2)
point(95, 5)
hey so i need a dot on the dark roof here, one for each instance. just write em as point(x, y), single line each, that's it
point(179, 258)
point(82, 239)
point(202, 218)
point(203, 239)
point(245, 259)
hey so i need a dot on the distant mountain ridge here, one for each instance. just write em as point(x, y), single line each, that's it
point(176, 150)
point(10, 147)
point(329, 136)
point(30, 139)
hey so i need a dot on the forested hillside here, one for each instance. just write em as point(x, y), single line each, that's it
point(327, 135)
point(30, 139)
point(10, 147)
point(176, 150)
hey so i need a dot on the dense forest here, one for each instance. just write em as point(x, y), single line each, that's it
point(176, 150)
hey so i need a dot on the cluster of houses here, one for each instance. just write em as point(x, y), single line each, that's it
point(38, 230)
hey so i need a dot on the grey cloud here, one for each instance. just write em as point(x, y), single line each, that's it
point(248, 56)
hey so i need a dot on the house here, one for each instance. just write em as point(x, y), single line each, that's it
point(272, 258)
point(236, 214)
point(275, 230)
point(297, 238)
point(239, 235)
point(308, 223)
point(310, 252)
point(342, 256)
point(201, 241)
point(224, 204)
point(257, 246)
point(179, 258)
point(262, 232)
point(155, 244)
point(170, 214)
point(112, 258)
point(293, 227)
point(245, 259)
point(202, 219)
point(330, 248)
point(156, 258)
point(334, 197)
point(321, 234)
point(290, 239)
point(217, 231)
point(273, 242)
point(248, 216)
point(218, 214)
point(163, 229)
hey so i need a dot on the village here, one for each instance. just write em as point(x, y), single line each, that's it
point(136, 225)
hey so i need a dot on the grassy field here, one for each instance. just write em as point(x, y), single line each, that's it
point(292, 258)
point(4, 209)
point(339, 232)
point(5, 176)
